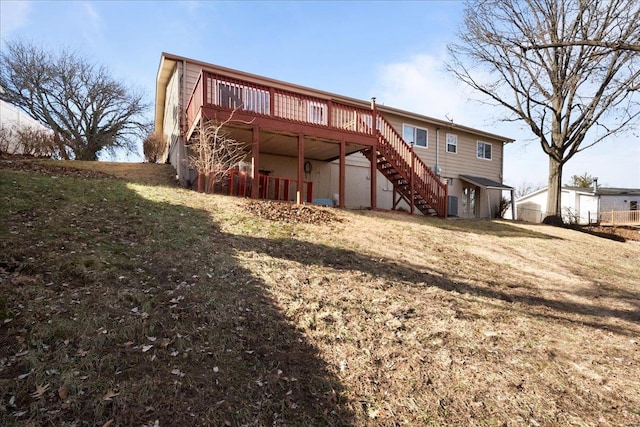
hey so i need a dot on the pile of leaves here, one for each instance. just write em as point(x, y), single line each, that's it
point(291, 213)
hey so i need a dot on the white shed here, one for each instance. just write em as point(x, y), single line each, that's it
point(579, 205)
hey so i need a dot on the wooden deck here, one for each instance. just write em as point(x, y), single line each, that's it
point(613, 218)
point(298, 124)
point(277, 110)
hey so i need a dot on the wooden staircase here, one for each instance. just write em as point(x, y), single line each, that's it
point(410, 176)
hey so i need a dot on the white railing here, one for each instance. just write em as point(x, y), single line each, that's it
point(620, 218)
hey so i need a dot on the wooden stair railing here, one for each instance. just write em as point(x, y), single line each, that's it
point(410, 176)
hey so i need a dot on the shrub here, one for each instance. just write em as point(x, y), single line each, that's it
point(28, 141)
point(153, 147)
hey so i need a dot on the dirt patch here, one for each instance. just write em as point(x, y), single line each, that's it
point(628, 233)
point(291, 213)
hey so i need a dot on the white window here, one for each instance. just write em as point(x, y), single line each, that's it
point(483, 150)
point(415, 135)
point(452, 143)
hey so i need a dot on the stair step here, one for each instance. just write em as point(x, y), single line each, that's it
point(389, 163)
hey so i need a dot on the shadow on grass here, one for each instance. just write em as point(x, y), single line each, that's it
point(144, 303)
point(586, 230)
point(148, 300)
point(340, 259)
point(483, 227)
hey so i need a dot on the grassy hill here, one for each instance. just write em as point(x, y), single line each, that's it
point(128, 301)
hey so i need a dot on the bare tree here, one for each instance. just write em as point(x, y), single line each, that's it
point(568, 69)
point(215, 153)
point(81, 102)
point(152, 147)
point(526, 188)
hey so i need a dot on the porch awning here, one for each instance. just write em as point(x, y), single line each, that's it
point(485, 182)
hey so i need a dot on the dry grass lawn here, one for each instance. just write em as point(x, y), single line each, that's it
point(131, 302)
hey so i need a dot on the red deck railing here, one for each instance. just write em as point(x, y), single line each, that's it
point(238, 183)
point(214, 90)
point(400, 154)
point(228, 93)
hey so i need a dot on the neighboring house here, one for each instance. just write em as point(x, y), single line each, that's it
point(584, 205)
point(12, 118)
point(306, 144)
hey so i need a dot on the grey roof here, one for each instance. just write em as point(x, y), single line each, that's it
point(485, 182)
point(612, 191)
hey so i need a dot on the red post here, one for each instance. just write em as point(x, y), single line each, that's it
point(374, 155)
point(310, 192)
point(300, 168)
point(287, 184)
point(446, 201)
point(255, 163)
point(240, 184)
point(412, 179)
point(263, 186)
point(272, 102)
point(342, 178)
point(205, 89)
point(276, 194)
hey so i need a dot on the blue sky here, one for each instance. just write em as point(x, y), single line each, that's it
point(394, 51)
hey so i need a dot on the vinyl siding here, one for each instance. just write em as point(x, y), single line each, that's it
point(617, 202)
point(172, 110)
point(464, 162)
point(191, 78)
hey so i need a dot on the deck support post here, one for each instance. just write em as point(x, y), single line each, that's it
point(255, 163)
point(374, 154)
point(513, 204)
point(393, 198)
point(300, 169)
point(412, 179)
point(342, 178)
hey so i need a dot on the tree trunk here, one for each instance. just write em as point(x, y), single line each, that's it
point(86, 151)
point(86, 154)
point(553, 215)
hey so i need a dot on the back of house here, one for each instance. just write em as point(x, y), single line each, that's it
point(310, 145)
